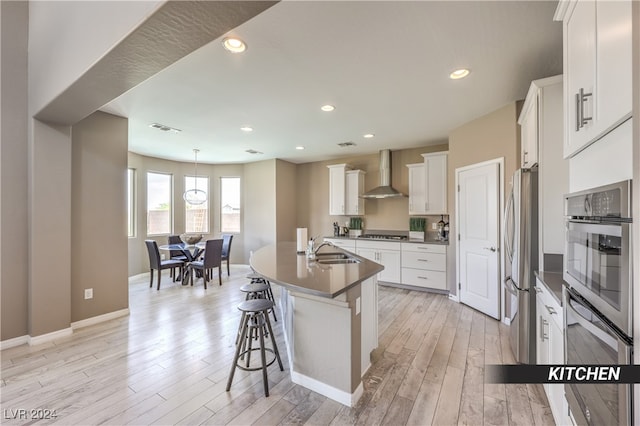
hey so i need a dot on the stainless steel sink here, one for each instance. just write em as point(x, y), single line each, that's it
point(340, 261)
point(331, 255)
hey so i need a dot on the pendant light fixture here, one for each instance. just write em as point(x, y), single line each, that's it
point(195, 196)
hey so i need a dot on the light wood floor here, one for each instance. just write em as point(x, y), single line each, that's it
point(168, 362)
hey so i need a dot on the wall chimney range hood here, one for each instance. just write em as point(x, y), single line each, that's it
point(384, 190)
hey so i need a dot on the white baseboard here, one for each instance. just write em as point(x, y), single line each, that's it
point(16, 341)
point(100, 318)
point(44, 338)
point(344, 398)
point(454, 298)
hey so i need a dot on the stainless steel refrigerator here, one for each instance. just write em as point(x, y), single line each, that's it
point(521, 248)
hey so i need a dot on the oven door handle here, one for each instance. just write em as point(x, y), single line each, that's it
point(595, 228)
point(609, 337)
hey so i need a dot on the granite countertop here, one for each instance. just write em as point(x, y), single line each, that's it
point(442, 243)
point(554, 282)
point(280, 264)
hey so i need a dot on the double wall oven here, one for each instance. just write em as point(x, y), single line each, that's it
point(598, 302)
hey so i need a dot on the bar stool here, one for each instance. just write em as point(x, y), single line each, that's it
point(255, 291)
point(258, 279)
point(254, 324)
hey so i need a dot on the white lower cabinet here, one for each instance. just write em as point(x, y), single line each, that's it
point(343, 243)
point(424, 265)
point(385, 253)
point(550, 348)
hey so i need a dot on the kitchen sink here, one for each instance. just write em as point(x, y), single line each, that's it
point(331, 255)
point(334, 261)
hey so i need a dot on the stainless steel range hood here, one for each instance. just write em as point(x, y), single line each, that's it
point(384, 190)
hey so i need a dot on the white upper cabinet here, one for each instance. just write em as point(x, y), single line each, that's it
point(529, 130)
point(354, 191)
point(597, 66)
point(337, 189)
point(345, 188)
point(436, 185)
point(417, 192)
point(428, 185)
point(553, 176)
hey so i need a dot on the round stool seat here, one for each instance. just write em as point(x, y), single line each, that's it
point(254, 276)
point(254, 288)
point(255, 305)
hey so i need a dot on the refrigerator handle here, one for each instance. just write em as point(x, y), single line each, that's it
point(507, 224)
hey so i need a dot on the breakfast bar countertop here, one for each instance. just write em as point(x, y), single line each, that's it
point(281, 264)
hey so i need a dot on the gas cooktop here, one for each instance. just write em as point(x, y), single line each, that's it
point(383, 237)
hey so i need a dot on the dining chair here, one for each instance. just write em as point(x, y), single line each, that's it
point(159, 265)
point(226, 249)
point(176, 254)
point(212, 259)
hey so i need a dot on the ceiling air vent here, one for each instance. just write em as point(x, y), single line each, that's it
point(164, 128)
point(253, 151)
point(346, 144)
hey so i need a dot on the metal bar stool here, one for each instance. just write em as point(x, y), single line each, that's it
point(258, 279)
point(254, 323)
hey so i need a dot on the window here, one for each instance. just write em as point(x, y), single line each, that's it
point(230, 204)
point(131, 203)
point(197, 216)
point(158, 203)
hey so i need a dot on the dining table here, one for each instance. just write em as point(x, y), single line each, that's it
point(191, 252)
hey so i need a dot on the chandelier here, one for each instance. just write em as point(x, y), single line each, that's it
point(195, 196)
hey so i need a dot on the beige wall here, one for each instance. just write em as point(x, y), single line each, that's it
point(386, 214)
point(286, 201)
point(49, 229)
point(98, 219)
point(138, 257)
point(495, 135)
point(13, 170)
point(259, 198)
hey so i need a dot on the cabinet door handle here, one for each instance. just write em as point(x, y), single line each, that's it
point(551, 310)
point(543, 335)
point(538, 289)
point(423, 260)
point(578, 112)
point(422, 278)
point(581, 98)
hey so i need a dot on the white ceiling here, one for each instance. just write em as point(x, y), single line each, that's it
point(384, 65)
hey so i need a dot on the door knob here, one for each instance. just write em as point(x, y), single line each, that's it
point(490, 248)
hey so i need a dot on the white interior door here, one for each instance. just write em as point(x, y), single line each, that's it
point(478, 246)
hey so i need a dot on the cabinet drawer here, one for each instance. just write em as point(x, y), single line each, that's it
point(342, 243)
point(381, 245)
point(422, 278)
point(549, 304)
point(430, 261)
point(424, 248)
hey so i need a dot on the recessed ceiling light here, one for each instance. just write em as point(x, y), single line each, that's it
point(327, 108)
point(457, 74)
point(368, 135)
point(246, 128)
point(234, 45)
point(164, 128)
point(300, 147)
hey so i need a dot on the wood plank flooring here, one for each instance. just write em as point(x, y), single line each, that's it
point(168, 362)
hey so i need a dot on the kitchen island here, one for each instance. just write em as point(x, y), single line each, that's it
point(330, 315)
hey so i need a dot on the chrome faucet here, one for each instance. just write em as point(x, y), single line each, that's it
point(326, 243)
